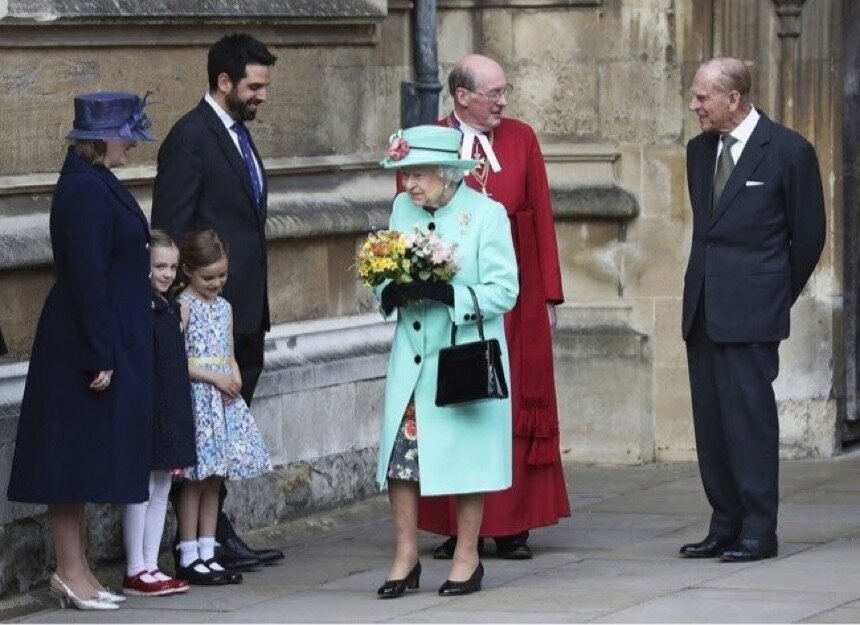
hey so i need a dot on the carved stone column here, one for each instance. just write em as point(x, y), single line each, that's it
point(788, 12)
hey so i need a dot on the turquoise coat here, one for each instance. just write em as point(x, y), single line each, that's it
point(464, 448)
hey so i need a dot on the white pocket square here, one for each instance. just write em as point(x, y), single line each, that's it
point(754, 183)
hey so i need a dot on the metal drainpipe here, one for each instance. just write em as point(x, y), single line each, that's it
point(419, 100)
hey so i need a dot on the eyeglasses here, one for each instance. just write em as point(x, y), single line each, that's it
point(496, 94)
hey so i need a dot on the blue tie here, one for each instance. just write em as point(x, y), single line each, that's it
point(248, 155)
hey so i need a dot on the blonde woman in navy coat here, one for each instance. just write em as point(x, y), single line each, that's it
point(464, 449)
point(83, 433)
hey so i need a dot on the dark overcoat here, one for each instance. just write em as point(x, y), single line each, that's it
point(75, 444)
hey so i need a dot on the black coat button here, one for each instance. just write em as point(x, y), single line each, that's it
point(466, 317)
point(417, 360)
point(473, 316)
point(431, 226)
point(417, 325)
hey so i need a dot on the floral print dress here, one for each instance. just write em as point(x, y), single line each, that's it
point(403, 464)
point(229, 444)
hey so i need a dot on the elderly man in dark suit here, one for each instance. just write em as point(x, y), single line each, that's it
point(758, 231)
point(210, 175)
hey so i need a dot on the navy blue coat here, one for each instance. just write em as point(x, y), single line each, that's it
point(75, 444)
point(174, 445)
point(754, 254)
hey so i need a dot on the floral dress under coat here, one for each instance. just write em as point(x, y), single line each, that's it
point(229, 443)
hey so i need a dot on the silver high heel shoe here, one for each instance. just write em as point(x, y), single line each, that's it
point(106, 594)
point(67, 597)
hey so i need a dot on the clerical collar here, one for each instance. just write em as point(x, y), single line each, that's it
point(470, 135)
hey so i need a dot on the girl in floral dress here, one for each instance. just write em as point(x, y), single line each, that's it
point(229, 444)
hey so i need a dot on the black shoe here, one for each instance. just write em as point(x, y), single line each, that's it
point(393, 588)
point(455, 589)
point(196, 578)
point(231, 577)
point(445, 551)
point(712, 546)
point(513, 547)
point(750, 549)
point(229, 559)
point(238, 546)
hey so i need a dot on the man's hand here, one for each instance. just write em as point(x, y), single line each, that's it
point(101, 381)
point(553, 318)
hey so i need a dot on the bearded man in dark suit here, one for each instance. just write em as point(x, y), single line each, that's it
point(758, 231)
point(210, 175)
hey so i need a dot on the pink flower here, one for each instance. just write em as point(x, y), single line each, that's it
point(398, 149)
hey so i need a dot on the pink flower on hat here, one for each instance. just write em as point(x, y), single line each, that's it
point(398, 149)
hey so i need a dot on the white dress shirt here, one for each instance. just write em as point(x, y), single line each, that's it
point(228, 122)
point(742, 134)
point(470, 135)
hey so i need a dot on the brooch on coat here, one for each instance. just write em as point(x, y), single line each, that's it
point(463, 220)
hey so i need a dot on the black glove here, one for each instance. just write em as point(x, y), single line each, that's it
point(438, 291)
point(392, 297)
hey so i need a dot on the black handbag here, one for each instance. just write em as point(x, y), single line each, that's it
point(471, 371)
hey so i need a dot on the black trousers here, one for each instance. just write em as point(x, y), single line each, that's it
point(737, 430)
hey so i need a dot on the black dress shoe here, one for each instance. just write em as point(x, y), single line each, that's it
point(445, 551)
point(231, 577)
point(229, 559)
point(750, 549)
point(393, 588)
point(514, 547)
point(238, 546)
point(455, 589)
point(196, 578)
point(711, 547)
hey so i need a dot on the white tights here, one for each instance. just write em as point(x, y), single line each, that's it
point(143, 525)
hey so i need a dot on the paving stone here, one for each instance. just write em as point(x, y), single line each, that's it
point(698, 605)
point(615, 560)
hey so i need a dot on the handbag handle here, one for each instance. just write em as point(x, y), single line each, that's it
point(480, 319)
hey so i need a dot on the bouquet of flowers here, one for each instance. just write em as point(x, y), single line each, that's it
point(392, 255)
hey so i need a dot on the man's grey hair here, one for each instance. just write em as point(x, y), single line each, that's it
point(460, 77)
point(453, 175)
point(734, 75)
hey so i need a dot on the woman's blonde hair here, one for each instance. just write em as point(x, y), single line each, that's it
point(159, 238)
point(93, 150)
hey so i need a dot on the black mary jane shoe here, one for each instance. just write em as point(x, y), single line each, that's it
point(230, 577)
point(393, 588)
point(455, 589)
point(196, 578)
point(445, 551)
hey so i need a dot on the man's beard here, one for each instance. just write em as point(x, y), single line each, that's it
point(238, 108)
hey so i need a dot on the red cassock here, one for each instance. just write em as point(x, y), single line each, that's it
point(538, 496)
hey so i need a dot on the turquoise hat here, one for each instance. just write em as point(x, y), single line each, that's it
point(426, 145)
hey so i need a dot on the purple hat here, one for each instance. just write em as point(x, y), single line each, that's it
point(107, 115)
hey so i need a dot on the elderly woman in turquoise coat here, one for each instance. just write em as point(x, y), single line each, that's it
point(425, 449)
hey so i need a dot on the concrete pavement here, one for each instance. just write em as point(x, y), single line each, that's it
point(615, 560)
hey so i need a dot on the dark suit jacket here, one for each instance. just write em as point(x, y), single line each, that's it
point(202, 182)
point(755, 253)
